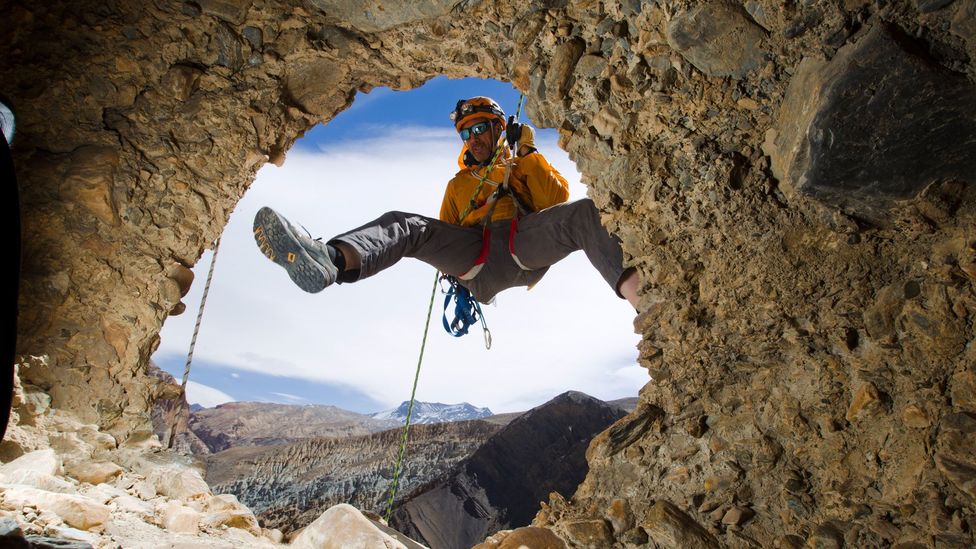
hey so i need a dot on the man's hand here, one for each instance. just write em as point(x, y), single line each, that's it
point(513, 131)
point(521, 135)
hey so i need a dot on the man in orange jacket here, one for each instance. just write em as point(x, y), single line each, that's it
point(504, 221)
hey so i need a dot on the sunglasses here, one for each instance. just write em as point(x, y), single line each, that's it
point(477, 129)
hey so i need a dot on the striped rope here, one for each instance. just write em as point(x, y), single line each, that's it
point(193, 343)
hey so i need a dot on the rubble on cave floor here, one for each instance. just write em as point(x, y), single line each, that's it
point(68, 483)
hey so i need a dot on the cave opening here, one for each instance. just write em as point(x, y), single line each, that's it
point(140, 127)
point(262, 339)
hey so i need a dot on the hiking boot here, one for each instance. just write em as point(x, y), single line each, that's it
point(309, 262)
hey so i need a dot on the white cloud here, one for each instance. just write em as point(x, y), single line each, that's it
point(570, 332)
point(208, 397)
point(291, 397)
point(235, 375)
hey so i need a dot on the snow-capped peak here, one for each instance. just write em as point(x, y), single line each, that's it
point(433, 412)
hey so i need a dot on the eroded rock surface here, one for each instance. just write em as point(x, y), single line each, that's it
point(810, 369)
point(877, 123)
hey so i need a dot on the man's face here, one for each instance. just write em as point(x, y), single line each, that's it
point(483, 144)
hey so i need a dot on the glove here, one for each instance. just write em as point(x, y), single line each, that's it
point(519, 135)
point(513, 130)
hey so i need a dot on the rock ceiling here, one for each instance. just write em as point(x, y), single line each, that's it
point(793, 181)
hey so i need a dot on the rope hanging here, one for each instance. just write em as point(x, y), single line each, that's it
point(413, 394)
point(193, 343)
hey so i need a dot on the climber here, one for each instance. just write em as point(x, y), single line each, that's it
point(490, 241)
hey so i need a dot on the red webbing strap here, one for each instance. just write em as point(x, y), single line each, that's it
point(479, 262)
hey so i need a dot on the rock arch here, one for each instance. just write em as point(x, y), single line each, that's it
point(807, 304)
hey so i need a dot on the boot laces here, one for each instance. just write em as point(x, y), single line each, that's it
point(310, 237)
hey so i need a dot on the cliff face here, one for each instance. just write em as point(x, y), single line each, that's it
point(794, 182)
point(290, 485)
point(500, 485)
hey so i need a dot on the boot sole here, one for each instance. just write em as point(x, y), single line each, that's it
point(276, 240)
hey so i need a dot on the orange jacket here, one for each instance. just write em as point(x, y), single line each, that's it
point(536, 183)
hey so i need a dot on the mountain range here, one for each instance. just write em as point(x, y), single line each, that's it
point(514, 460)
point(433, 412)
point(289, 485)
point(237, 424)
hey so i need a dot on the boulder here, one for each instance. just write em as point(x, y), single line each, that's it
point(68, 444)
point(94, 472)
point(133, 506)
point(717, 39)
point(40, 461)
point(178, 482)
point(88, 181)
point(76, 511)
point(375, 16)
point(344, 527)
point(956, 455)
point(963, 386)
point(589, 532)
point(37, 479)
point(52, 542)
point(178, 518)
point(620, 515)
point(877, 124)
point(529, 536)
point(669, 526)
point(314, 85)
point(66, 535)
point(866, 401)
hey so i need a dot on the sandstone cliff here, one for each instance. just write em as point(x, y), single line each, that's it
point(793, 180)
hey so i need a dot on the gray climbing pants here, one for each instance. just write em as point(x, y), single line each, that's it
point(542, 239)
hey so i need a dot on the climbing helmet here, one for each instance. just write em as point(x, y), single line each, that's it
point(476, 107)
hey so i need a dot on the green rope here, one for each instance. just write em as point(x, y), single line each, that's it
point(413, 394)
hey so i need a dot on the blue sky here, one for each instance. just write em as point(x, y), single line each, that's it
point(429, 105)
point(355, 346)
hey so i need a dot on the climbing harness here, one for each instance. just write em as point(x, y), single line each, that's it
point(193, 343)
point(520, 210)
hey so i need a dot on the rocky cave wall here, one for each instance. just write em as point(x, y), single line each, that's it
point(792, 179)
